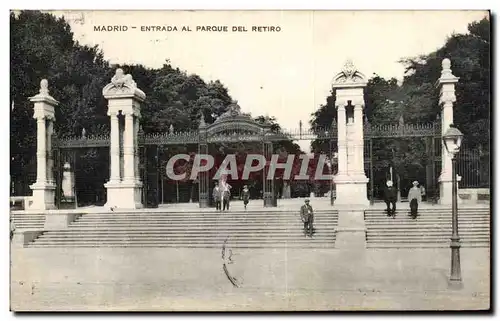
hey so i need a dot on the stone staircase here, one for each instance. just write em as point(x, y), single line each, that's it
point(252, 229)
point(28, 220)
point(432, 228)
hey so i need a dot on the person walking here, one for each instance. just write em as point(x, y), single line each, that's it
point(414, 197)
point(246, 196)
point(216, 194)
point(423, 193)
point(307, 216)
point(226, 196)
point(390, 197)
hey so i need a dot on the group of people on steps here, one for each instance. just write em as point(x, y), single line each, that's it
point(414, 198)
point(222, 195)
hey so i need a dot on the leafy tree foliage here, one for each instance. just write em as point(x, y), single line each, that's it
point(43, 46)
point(417, 101)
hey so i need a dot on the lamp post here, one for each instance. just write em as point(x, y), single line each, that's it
point(452, 141)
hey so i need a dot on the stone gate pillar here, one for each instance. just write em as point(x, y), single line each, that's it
point(268, 181)
point(204, 179)
point(44, 187)
point(124, 188)
point(351, 181)
point(447, 97)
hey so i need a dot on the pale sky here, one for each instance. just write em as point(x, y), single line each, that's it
point(285, 74)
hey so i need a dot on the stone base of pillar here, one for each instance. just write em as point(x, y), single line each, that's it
point(351, 230)
point(58, 221)
point(22, 238)
point(124, 195)
point(351, 190)
point(445, 190)
point(268, 200)
point(43, 196)
point(204, 202)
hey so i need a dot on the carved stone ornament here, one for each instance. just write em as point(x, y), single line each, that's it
point(446, 72)
point(202, 120)
point(348, 74)
point(233, 110)
point(120, 79)
point(122, 84)
point(44, 87)
point(43, 95)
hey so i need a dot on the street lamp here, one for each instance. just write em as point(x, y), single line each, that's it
point(452, 141)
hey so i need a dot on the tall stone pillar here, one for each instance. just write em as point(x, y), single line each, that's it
point(136, 150)
point(447, 97)
point(68, 182)
point(203, 177)
point(351, 181)
point(342, 140)
point(44, 187)
point(359, 168)
point(114, 176)
point(123, 191)
point(128, 148)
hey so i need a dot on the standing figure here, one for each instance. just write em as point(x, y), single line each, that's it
point(307, 216)
point(216, 194)
point(246, 196)
point(226, 195)
point(423, 193)
point(390, 197)
point(12, 229)
point(414, 197)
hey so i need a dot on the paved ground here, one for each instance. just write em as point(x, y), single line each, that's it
point(281, 279)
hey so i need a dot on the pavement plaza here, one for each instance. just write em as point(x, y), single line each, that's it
point(166, 279)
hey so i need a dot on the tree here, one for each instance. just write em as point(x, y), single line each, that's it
point(416, 101)
point(470, 57)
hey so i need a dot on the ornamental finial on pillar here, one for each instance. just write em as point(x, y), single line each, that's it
point(446, 71)
point(349, 74)
point(44, 87)
point(120, 79)
point(349, 69)
point(202, 120)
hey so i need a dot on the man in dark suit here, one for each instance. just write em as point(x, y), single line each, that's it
point(307, 216)
point(390, 198)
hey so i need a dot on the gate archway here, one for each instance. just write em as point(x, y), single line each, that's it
point(236, 127)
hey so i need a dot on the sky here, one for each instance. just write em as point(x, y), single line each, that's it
point(286, 74)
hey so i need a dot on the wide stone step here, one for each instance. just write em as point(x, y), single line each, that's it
point(183, 233)
point(427, 215)
point(419, 221)
point(200, 219)
point(424, 234)
point(265, 229)
point(442, 214)
point(179, 234)
point(424, 245)
point(319, 245)
point(407, 218)
point(210, 212)
point(424, 223)
point(190, 226)
point(401, 227)
point(184, 238)
point(425, 238)
point(29, 225)
point(200, 241)
point(428, 235)
point(378, 227)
